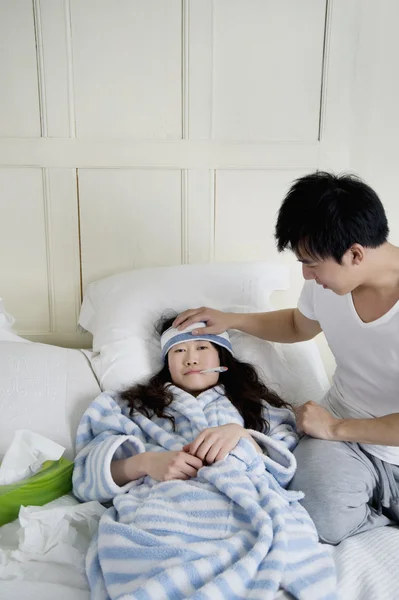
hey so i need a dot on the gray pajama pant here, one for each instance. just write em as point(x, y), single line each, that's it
point(347, 491)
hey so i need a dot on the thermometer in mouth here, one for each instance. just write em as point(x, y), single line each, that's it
point(215, 370)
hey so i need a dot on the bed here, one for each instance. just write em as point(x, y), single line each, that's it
point(47, 388)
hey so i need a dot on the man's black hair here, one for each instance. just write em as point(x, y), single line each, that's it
point(325, 214)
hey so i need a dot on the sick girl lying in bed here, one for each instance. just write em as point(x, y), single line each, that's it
point(196, 463)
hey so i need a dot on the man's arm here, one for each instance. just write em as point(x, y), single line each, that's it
point(317, 422)
point(284, 326)
point(379, 430)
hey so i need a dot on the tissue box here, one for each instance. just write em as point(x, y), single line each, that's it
point(52, 481)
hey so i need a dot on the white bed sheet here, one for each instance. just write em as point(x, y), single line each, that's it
point(367, 563)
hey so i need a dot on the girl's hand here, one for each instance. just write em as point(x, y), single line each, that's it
point(215, 443)
point(164, 466)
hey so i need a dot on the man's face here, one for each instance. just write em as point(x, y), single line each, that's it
point(339, 278)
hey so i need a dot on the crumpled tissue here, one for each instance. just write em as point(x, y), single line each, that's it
point(48, 545)
point(26, 455)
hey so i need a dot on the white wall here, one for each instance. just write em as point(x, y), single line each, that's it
point(151, 132)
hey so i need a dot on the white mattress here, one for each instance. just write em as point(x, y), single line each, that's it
point(48, 563)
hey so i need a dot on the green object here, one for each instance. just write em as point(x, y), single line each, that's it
point(52, 481)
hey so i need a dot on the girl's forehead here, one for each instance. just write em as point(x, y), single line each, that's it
point(190, 343)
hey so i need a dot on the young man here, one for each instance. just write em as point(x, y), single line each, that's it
point(348, 463)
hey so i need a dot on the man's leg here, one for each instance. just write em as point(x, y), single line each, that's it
point(338, 484)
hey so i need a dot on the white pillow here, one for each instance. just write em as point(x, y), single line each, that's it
point(128, 304)
point(121, 311)
point(6, 323)
point(296, 372)
point(6, 320)
point(45, 389)
point(7, 335)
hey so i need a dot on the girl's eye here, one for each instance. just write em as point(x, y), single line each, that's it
point(179, 350)
point(203, 348)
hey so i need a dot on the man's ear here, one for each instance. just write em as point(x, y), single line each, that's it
point(358, 254)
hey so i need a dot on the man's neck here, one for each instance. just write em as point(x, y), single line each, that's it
point(384, 270)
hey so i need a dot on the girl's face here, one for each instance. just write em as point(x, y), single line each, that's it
point(187, 359)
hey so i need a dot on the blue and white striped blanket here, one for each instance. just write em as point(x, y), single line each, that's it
point(232, 532)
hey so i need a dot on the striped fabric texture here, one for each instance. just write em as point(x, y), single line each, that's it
point(232, 532)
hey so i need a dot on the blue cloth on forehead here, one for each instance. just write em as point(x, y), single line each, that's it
point(189, 337)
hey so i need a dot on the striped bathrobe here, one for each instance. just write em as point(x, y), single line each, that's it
point(232, 532)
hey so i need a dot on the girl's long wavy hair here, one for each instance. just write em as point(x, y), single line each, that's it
point(241, 384)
